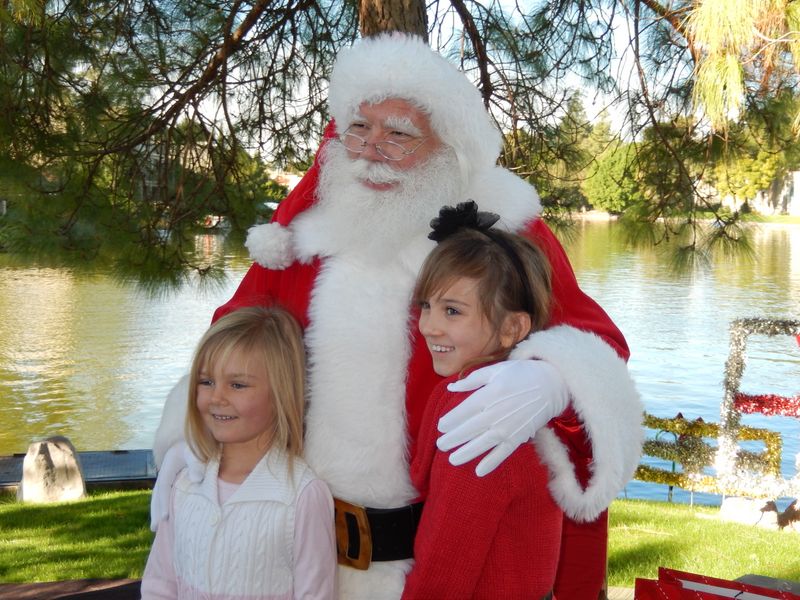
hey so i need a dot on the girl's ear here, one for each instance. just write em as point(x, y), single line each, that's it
point(516, 327)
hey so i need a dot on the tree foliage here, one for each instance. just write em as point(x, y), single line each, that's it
point(613, 186)
point(741, 48)
point(554, 160)
point(123, 124)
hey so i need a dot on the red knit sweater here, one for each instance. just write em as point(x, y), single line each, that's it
point(496, 536)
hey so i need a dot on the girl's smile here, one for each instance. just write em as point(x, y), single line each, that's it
point(437, 348)
point(235, 402)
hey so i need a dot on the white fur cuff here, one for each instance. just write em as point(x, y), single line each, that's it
point(270, 245)
point(606, 401)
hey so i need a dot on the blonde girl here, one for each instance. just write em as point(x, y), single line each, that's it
point(253, 522)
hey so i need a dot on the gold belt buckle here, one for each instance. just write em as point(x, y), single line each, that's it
point(359, 513)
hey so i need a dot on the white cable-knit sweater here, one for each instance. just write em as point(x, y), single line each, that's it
point(243, 547)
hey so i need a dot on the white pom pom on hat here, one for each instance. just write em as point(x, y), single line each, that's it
point(403, 66)
point(270, 245)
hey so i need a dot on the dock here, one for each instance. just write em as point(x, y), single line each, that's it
point(119, 469)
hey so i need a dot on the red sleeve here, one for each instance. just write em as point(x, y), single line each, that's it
point(571, 306)
point(582, 559)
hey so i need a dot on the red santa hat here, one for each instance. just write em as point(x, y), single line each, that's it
point(403, 66)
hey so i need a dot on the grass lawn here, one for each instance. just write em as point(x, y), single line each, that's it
point(646, 535)
point(106, 536)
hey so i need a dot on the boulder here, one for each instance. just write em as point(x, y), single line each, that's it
point(51, 472)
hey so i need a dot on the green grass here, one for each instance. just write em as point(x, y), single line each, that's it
point(646, 535)
point(106, 536)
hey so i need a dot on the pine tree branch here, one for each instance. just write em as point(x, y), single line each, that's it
point(677, 19)
point(229, 46)
point(480, 49)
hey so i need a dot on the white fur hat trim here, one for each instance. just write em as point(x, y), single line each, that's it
point(402, 66)
point(270, 245)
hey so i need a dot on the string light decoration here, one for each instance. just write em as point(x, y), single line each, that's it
point(729, 473)
point(738, 472)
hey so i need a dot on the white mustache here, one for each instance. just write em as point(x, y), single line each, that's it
point(377, 172)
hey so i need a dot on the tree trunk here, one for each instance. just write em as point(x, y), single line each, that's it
point(378, 16)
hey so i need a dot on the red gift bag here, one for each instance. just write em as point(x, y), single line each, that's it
point(713, 588)
point(651, 589)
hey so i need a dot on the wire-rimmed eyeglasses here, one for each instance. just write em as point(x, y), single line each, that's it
point(386, 148)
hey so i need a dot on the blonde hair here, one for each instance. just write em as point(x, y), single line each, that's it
point(272, 336)
point(506, 283)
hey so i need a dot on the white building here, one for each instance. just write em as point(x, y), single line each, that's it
point(782, 198)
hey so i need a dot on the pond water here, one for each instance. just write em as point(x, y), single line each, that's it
point(84, 356)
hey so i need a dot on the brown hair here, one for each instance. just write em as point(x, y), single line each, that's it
point(518, 282)
point(272, 337)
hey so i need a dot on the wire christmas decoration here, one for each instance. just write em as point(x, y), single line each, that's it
point(738, 472)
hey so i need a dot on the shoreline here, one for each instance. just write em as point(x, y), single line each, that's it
point(785, 220)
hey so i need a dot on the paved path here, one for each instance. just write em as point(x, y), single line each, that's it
point(618, 593)
point(90, 589)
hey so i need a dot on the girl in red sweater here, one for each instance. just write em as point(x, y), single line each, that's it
point(480, 292)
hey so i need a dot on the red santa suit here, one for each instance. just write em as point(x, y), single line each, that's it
point(369, 371)
point(507, 520)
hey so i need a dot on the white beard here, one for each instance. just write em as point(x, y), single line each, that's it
point(352, 219)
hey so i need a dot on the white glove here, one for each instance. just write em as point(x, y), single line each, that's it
point(177, 458)
point(516, 398)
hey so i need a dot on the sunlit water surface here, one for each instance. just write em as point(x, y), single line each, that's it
point(92, 359)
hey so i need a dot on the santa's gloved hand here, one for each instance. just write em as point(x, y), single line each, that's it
point(177, 458)
point(516, 398)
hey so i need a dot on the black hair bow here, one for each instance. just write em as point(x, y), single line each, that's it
point(464, 216)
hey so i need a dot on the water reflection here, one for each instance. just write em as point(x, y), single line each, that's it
point(84, 357)
point(677, 324)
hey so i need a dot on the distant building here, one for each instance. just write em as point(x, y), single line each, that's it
point(782, 198)
point(290, 180)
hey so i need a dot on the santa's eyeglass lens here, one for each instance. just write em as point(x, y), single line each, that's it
point(387, 149)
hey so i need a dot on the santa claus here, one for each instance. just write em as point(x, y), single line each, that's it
point(410, 134)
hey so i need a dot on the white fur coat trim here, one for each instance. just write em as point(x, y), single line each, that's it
point(270, 245)
point(358, 347)
point(610, 409)
point(500, 191)
point(495, 190)
point(170, 427)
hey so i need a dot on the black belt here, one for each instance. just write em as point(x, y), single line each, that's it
point(366, 534)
